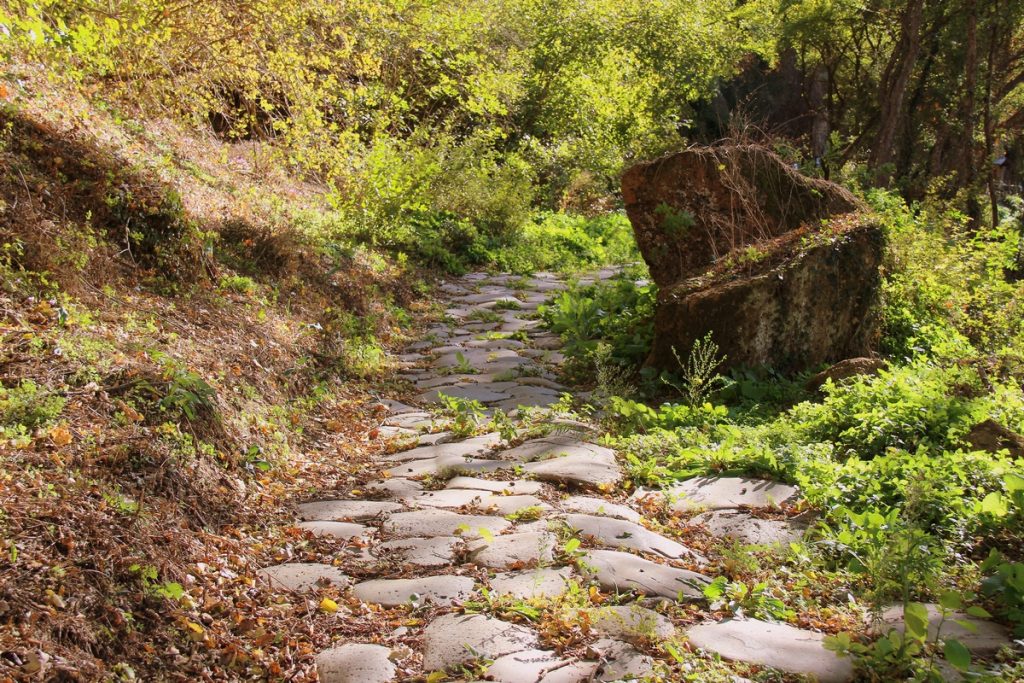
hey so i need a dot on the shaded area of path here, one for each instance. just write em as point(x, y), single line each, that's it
point(447, 521)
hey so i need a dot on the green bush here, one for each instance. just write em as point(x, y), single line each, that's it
point(912, 407)
point(28, 405)
point(618, 312)
point(945, 279)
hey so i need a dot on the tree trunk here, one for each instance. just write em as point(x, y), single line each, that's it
point(967, 159)
point(820, 128)
point(894, 87)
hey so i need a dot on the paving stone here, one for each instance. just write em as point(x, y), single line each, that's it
point(454, 638)
point(454, 498)
point(595, 471)
point(419, 420)
point(492, 344)
point(442, 523)
point(779, 646)
point(519, 325)
point(434, 382)
point(389, 432)
point(542, 382)
point(439, 590)
point(985, 638)
point(507, 505)
point(447, 466)
point(470, 392)
point(397, 487)
point(528, 400)
point(302, 576)
point(464, 448)
point(555, 446)
point(448, 498)
point(599, 506)
point(735, 524)
point(574, 672)
point(546, 342)
point(722, 493)
point(397, 407)
point(436, 551)
point(435, 439)
point(622, 571)
point(532, 583)
point(631, 623)
point(514, 550)
point(618, 533)
point(343, 530)
point(474, 358)
point(524, 667)
point(340, 510)
point(622, 661)
point(516, 486)
point(355, 663)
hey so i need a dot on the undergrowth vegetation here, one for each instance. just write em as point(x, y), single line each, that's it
point(913, 506)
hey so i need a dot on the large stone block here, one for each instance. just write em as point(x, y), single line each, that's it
point(780, 268)
point(815, 305)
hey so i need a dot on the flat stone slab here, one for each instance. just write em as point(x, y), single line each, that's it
point(495, 486)
point(986, 638)
point(528, 401)
point(524, 667)
point(622, 571)
point(341, 510)
point(478, 359)
point(470, 392)
point(553, 447)
point(448, 498)
point(439, 590)
point(437, 551)
point(630, 623)
point(397, 407)
point(452, 639)
point(465, 448)
point(355, 663)
point(532, 583)
point(542, 382)
point(420, 420)
point(779, 646)
point(442, 523)
point(622, 661)
point(514, 550)
point(342, 530)
point(741, 526)
point(594, 471)
point(618, 533)
point(447, 466)
point(397, 487)
point(574, 672)
point(507, 505)
point(599, 506)
point(723, 493)
point(303, 576)
point(492, 344)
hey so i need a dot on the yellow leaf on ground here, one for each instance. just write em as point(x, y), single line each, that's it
point(60, 435)
point(328, 605)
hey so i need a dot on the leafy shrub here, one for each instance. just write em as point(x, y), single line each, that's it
point(1004, 583)
point(618, 312)
point(921, 405)
point(29, 405)
point(185, 392)
point(945, 278)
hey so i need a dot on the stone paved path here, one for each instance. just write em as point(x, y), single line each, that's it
point(452, 520)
